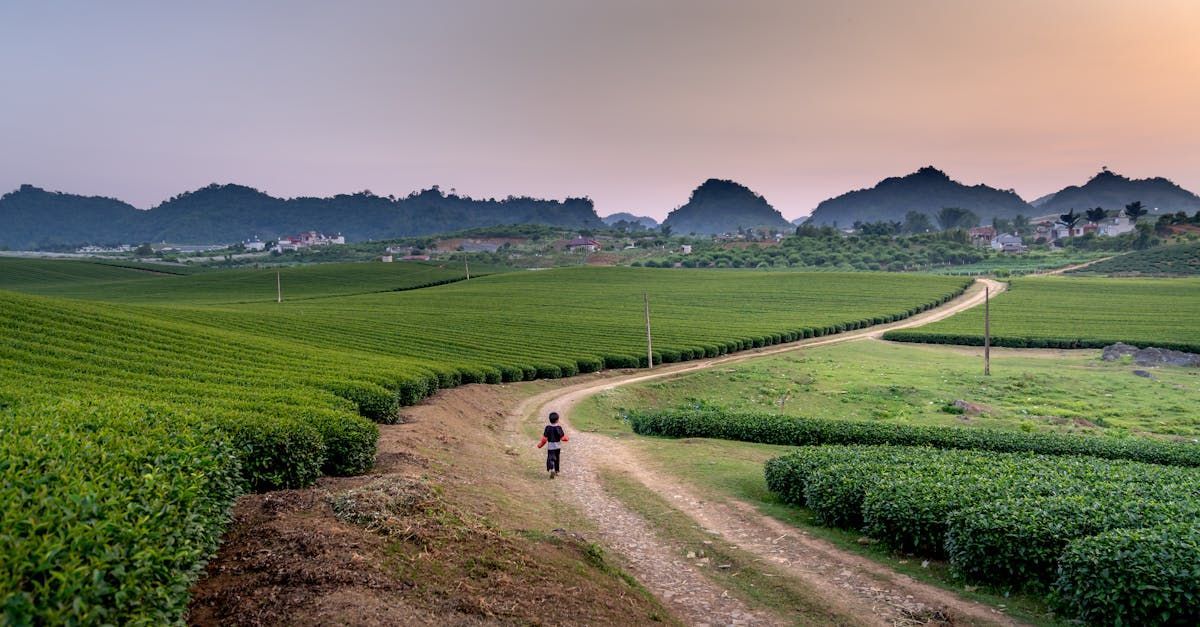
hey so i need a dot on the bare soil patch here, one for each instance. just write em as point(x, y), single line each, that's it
point(443, 531)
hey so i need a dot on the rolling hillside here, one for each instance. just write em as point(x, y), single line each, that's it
point(927, 191)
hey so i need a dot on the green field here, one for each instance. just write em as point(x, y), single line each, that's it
point(1004, 264)
point(180, 392)
point(1070, 312)
point(1178, 260)
point(125, 284)
point(917, 384)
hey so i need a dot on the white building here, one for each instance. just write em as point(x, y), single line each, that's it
point(1114, 226)
point(307, 239)
point(686, 249)
point(255, 245)
point(1009, 243)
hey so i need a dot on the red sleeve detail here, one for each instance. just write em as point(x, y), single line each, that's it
point(565, 438)
point(543, 442)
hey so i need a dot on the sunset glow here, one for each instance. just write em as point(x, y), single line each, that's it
point(631, 103)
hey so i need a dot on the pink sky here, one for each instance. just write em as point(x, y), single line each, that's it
point(632, 103)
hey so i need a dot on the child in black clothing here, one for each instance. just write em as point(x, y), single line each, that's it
point(553, 435)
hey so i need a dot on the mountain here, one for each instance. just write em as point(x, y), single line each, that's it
point(35, 218)
point(1041, 200)
point(800, 220)
point(1113, 191)
point(927, 190)
point(32, 217)
point(720, 206)
point(645, 221)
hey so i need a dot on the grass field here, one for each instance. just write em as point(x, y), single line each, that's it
point(1070, 312)
point(914, 384)
point(208, 377)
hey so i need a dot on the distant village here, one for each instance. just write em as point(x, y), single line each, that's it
point(1049, 230)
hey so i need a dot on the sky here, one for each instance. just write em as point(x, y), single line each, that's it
point(631, 103)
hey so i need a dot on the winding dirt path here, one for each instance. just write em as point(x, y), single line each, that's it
point(857, 588)
point(1077, 266)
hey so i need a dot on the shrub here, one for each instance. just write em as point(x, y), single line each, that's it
point(620, 361)
point(1132, 577)
point(108, 510)
point(372, 401)
point(716, 422)
point(350, 443)
point(589, 364)
point(510, 373)
point(548, 371)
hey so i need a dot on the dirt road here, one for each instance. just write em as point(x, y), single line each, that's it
point(1077, 266)
point(859, 589)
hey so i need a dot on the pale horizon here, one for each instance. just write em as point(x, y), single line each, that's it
point(631, 104)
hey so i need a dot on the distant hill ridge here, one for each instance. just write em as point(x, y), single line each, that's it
point(723, 206)
point(35, 218)
point(1113, 191)
point(645, 221)
point(927, 191)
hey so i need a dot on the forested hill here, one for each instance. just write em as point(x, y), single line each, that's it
point(1113, 191)
point(927, 191)
point(35, 218)
point(720, 206)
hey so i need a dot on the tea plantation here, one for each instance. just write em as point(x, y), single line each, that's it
point(133, 413)
point(1110, 542)
point(1069, 312)
point(1177, 260)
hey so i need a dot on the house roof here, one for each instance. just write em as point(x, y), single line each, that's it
point(583, 241)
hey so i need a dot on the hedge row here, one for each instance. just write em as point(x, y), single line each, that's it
point(925, 337)
point(108, 511)
point(1008, 519)
point(1133, 577)
point(766, 428)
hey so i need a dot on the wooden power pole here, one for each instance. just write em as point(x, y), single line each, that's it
point(649, 342)
point(467, 264)
point(278, 288)
point(987, 332)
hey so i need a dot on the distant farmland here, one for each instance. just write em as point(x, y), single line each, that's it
point(1069, 312)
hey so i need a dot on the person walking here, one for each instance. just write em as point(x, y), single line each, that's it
point(552, 437)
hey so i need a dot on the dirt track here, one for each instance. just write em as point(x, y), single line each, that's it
point(857, 588)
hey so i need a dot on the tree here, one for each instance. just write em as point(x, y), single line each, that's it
point(1002, 225)
point(1135, 210)
point(1096, 215)
point(956, 218)
point(917, 222)
point(1021, 224)
point(1145, 237)
point(666, 230)
point(1069, 220)
point(144, 250)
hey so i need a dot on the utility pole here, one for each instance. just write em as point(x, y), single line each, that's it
point(278, 288)
point(467, 263)
point(987, 332)
point(649, 342)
